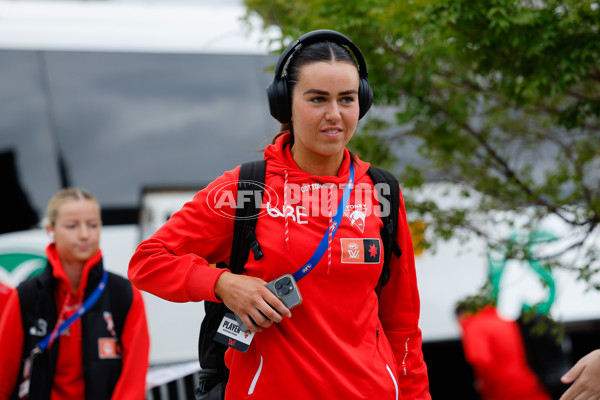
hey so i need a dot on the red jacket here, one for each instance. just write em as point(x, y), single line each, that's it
point(5, 292)
point(68, 380)
point(342, 342)
point(494, 348)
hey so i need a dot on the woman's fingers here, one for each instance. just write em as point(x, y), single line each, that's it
point(248, 297)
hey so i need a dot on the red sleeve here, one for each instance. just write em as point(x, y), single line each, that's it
point(399, 313)
point(476, 347)
point(136, 344)
point(11, 345)
point(174, 263)
point(5, 292)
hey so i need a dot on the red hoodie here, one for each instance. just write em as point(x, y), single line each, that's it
point(494, 348)
point(342, 342)
point(68, 380)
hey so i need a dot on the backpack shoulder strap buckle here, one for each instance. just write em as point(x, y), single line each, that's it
point(253, 243)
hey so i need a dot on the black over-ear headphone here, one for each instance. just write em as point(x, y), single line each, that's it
point(280, 102)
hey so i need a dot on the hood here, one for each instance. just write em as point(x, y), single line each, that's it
point(64, 285)
point(281, 163)
point(279, 160)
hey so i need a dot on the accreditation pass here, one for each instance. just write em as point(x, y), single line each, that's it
point(230, 334)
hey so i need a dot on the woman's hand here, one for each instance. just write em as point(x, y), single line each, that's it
point(585, 376)
point(249, 298)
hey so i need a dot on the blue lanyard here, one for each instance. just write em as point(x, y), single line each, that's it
point(87, 304)
point(322, 248)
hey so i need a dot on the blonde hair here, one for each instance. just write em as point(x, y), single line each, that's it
point(63, 196)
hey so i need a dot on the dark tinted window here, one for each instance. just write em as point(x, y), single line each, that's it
point(124, 121)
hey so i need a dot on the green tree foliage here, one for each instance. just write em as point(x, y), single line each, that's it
point(503, 97)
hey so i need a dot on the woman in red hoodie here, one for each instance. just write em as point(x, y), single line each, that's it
point(343, 341)
point(76, 331)
point(494, 347)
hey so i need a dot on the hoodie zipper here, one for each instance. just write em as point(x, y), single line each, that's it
point(256, 376)
point(387, 367)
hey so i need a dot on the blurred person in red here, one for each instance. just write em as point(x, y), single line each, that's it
point(76, 331)
point(493, 346)
point(4, 294)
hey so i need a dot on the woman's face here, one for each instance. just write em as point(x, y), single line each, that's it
point(77, 230)
point(325, 110)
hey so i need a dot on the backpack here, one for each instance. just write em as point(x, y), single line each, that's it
point(546, 351)
point(214, 373)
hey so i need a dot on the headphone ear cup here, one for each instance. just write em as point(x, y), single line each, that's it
point(365, 97)
point(279, 100)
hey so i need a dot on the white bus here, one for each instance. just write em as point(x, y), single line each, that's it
point(122, 99)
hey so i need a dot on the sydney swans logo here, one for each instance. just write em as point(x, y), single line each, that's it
point(225, 198)
point(16, 266)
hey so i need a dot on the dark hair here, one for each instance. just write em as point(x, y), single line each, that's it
point(473, 304)
point(309, 54)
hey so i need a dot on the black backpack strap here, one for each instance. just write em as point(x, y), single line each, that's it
point(250, 190)
point(250, 183)
point(388, 190)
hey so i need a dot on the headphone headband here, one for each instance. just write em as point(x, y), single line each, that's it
point(278, 93)
point(321, 35)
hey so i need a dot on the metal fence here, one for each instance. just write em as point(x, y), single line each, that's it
point(173, 382)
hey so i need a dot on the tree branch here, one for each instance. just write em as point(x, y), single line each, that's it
point(504, 167)
point(582, 97)
point(587, 195)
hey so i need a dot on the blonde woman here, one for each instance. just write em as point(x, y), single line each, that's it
point(75, 331)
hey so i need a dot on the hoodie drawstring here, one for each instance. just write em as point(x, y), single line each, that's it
point(285, 213)
point(330, 227)
point(286, 201)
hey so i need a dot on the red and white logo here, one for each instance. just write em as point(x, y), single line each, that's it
point(357, 215)
point(110, 325)
point(109, 348)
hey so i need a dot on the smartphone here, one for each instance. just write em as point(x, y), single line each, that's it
point(286, 290)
